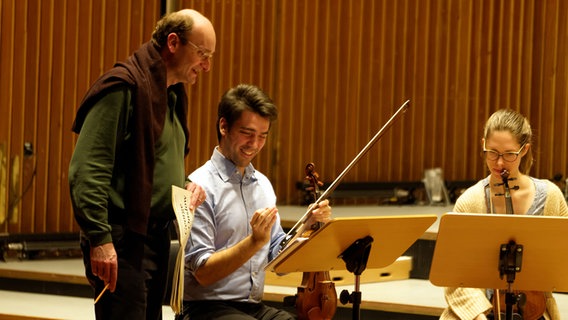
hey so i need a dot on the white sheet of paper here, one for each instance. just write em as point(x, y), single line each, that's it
point(180, 202)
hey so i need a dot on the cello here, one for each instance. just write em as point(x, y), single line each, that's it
point(316, 298)
point(519, 305)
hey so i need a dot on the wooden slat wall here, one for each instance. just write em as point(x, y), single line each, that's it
point(51, 51)
point(341, 68)
point(246, 53)
point(337, 69)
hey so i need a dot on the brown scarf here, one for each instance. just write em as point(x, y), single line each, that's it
point(145, 74)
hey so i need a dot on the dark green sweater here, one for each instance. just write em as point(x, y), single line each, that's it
point(144, 76)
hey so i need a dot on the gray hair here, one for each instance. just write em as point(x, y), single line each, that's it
point(177, 22)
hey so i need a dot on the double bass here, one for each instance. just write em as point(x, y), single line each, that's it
point(525, 305)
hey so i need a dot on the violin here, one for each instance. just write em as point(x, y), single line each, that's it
point(316, 298)
point(527, 305)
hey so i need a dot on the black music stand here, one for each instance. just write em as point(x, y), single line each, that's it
point(512, 252)
point(353, 244)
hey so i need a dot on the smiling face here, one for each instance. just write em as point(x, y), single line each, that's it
point(244, 140)
point(184, 61)
point(187, 61)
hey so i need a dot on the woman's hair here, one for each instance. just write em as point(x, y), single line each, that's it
point(519, 126)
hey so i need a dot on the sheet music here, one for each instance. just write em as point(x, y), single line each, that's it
point(180, 202)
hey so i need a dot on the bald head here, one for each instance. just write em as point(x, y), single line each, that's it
point(182, 23)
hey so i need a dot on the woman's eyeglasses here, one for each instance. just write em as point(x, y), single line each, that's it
point(507, 156)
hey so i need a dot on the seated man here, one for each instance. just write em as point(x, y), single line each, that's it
point(237, 231)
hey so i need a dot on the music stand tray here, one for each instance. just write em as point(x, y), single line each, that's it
point(468, 246)
point(392, 235)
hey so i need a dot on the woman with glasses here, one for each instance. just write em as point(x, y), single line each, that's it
point(507, 151)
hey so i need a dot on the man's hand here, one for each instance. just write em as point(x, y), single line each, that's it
point(321, 213)
point(224, 262)
point(198, 196)
point(261, 223)
point(104, 264)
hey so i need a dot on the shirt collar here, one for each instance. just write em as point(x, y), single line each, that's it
point(227, 169)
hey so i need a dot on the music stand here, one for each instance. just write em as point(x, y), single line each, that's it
point(353, 244)
point(468, 252)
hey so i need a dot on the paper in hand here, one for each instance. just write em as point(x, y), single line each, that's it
point(180, 202)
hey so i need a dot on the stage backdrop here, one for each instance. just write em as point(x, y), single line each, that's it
point(337, 69)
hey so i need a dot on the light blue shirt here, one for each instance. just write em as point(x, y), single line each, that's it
point(221, 222)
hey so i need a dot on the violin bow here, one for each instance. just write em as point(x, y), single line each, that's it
point(293, 232)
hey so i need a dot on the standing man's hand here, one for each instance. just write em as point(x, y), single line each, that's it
point(198, 195)
point(104, 264)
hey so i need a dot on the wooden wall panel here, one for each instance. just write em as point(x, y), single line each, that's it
point(337, 70)
point(245, 53)
point(51, 52)
point(343, 67)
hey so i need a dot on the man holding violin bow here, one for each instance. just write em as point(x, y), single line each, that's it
point(508, 155)
point(237, 230)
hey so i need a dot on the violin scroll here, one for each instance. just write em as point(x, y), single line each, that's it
point(314, 184)
point(312, 177)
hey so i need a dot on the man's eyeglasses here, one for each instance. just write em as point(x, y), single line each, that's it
point(507, 156)
point(203, 53)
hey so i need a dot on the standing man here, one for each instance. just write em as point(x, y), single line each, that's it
point(133, 139)
point(236, 231)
